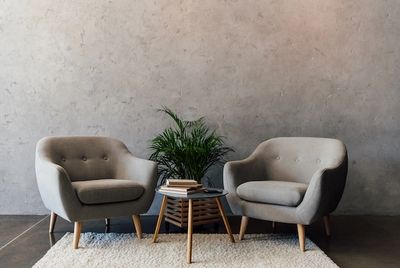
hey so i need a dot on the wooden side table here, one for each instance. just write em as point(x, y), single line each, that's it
point(190, 198)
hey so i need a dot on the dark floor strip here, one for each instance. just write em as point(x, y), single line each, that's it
point(25, 231)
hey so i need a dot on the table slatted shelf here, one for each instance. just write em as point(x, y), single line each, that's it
point(204, 211)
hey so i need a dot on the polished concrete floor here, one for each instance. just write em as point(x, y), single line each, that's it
point(357, 241)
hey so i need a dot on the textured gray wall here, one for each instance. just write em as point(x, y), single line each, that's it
point(255, 69)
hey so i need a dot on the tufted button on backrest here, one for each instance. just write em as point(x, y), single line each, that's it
point(299, 157)
point(84, 158)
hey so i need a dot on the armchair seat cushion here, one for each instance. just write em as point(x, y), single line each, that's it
point(273, 192)
point(103, 191)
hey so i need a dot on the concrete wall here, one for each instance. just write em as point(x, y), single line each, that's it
point(255, 69)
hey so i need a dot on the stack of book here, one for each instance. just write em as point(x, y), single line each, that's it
point(181, 187)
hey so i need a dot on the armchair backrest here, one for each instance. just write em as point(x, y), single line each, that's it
point(83, 157)
point(296, 159)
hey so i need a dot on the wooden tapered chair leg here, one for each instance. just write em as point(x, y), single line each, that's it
point(302, 236)
point(138, 226)
point(77, 234)
point(327, 225)
point(243, 226)
point(53, 219)
point(107, 221)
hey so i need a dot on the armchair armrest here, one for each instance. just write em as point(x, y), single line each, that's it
point(241, 171)
point(56, 189)
point(238, 172)
point(143, 172)
point(324, 193)
point(140, 170)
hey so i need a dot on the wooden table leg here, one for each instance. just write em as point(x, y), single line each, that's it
point(190, 232)
point(225, 219)
point(160, 218)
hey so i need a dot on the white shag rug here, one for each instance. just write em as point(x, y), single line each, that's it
point(209, 250)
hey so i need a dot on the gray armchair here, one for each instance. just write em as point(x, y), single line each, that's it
point(290, 180)
point(82, 178)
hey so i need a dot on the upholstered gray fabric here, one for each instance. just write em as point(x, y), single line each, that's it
point(63, 160)
point(273, 192)
point(107, 191)
point(319, 162)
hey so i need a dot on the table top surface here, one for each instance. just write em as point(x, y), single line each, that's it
point(199, 195)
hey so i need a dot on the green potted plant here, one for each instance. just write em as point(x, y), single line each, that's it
point(187, 150)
